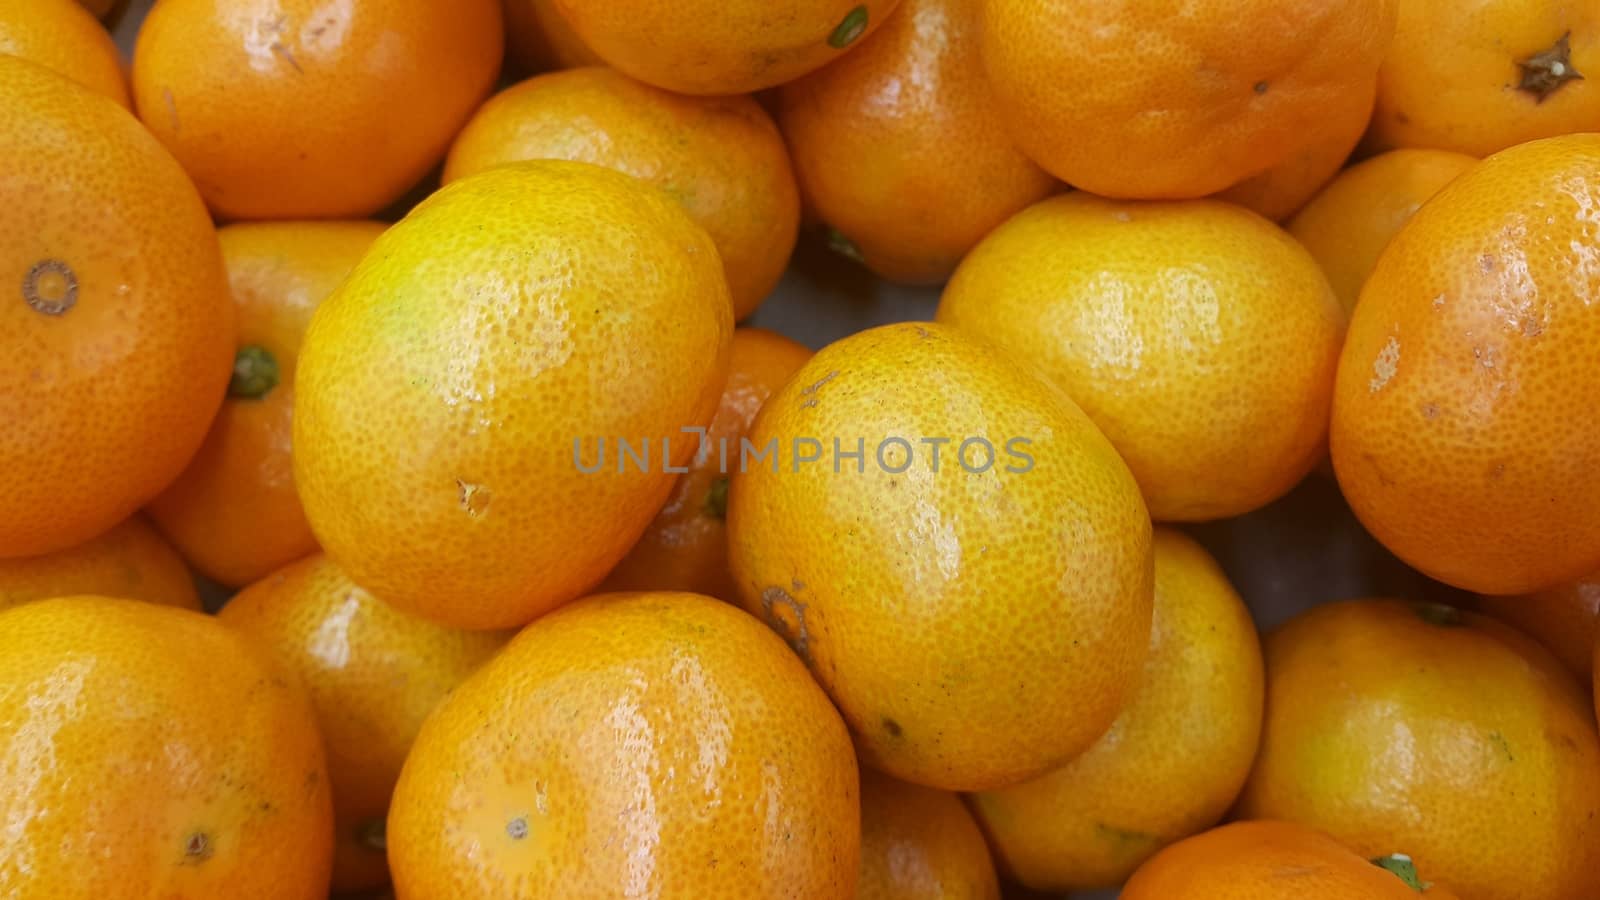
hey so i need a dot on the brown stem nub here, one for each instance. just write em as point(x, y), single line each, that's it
point(50, 287)
point(1544, 73)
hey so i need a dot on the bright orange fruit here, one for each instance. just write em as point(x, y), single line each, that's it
point(153, 752)
point(118, 331)
point(1438, 732)
point(721, 157)
point(1348, 225)
point(1566, 619)
point(540, 39)
point(234, 512)
point(462, 399)
point(918, 843)
point(62, 36)
point(373, 674)
point(914, 584)
point(722, 46)
point(1281, 191)
point(686, 547)
point(307, 109)
point(129, 561)
point(644, 745)
point(1462, 433)
point(899, 149)
point(1176, 99)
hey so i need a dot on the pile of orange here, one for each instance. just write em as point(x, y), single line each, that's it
point(441, 458)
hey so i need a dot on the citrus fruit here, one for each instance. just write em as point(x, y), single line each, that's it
point(714, 47)
point(118, 331)
point(1442, 733)
point(1565, 619)
point(1461, 431)
point(721, 157)
point(686, 547)
point(152, 752)
point(899, 149)
point(1199, 337)
point(539, 38)
point(1265, 861)
point(1173, 762)
point(373, 674)
point(101, 8)
point(1173, 99)
point(915, 589)
point(129, 561)
point(234, 511)
point(307, 109)
point(63, 37)
point(1348, 224)
point(920, 844)
point(1482, 77)
point(464, 398)
point(1281, 191)
point(631, 745)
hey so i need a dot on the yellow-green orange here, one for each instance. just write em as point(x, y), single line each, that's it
point(445, 391)
point(1175, 759)
point(937, 601)
point(1200, 337)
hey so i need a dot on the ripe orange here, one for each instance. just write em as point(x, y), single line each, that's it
point(117, 351)
point(540, 39)
point(1281, 191)
point(686, 547)
point(899, 149)
point(1462, 433)
point(1479, 78)
point(642, 745)
point(234, 511)
point(1565, 619)
point(373, 674)
point(152, 752)
point(1172, 99)
point(1201, 338)
point(501, 339)
point(721, 157)
point(307, 109)
point(1443, 733)
point(718, 47)
point(1265, 861)
point(920, 844)
point(129, 561)
point(915, 589)
point(1173, 762)
point(62, 36)
point(1347, 225)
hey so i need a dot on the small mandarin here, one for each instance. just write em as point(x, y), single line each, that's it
point(62, 36)
point(130, 561)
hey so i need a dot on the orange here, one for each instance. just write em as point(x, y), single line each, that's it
point(130, 561)
point(920, 844)
point(686, 547)
point(721, 157)
point(117, 351)
point(1173, 762)
point(1200, 337)
point(540, 39)
point(462, 400)
point(1281, 191)
point(62, 36)
point(1265, 861)
point(308, 109)
point(1565, 619)
point(1445, 734)
point(1175, 99)
point(101, 8)
point(152, 752)
point(234, 511)
point(640, 745)
point(899, 149)
point(915, 585)
point(717, 47)
point(1479, 77)
point(1348, 224)
point(373, 674)
point(1462, 430)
